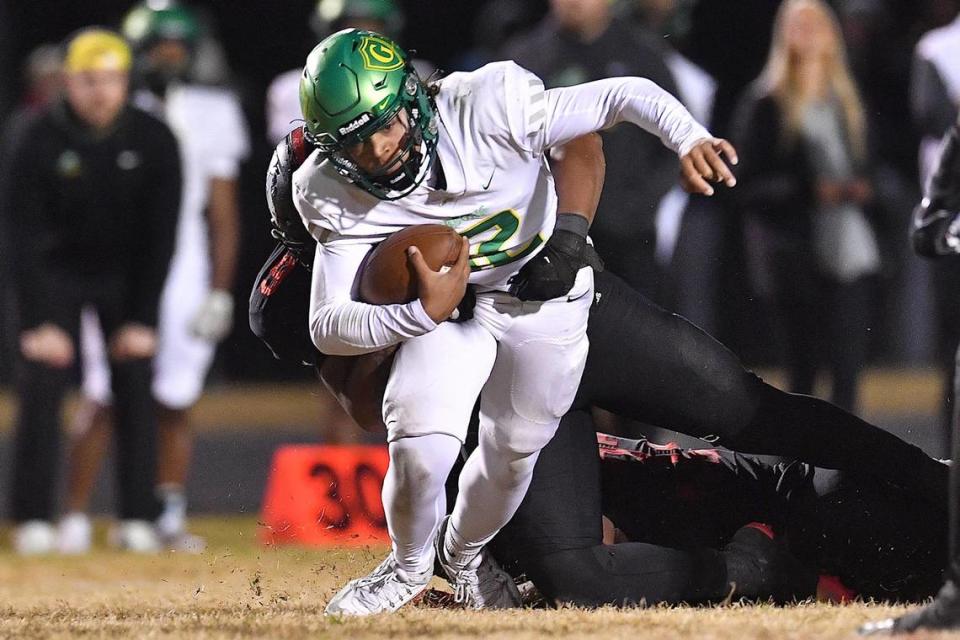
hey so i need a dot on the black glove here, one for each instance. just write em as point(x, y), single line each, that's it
point(552, 272)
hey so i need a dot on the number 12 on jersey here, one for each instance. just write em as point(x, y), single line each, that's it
point(490, 253)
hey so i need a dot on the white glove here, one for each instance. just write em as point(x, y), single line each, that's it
point(213, 320)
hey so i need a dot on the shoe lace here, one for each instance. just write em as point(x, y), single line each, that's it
point(482, 585)
point(379, 586)
point(465, 583)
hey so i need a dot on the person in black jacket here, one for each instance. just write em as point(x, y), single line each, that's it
point(805, 190)
point(93, 193)
point(581, 41)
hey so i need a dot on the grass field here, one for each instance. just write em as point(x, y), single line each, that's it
point(238, 588)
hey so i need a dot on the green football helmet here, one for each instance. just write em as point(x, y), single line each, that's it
point(165, 20)
point(354, 84)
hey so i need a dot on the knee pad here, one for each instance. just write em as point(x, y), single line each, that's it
point(423, 461)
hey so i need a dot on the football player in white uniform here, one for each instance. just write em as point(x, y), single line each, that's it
point(196, 308)
point(467, 152)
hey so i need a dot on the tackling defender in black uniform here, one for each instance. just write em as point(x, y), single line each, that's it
point(647, 364)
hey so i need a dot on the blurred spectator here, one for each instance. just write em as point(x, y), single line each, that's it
point(580, 41)
point(495, 25)
point(93, 192)
point(196, 308)
point(381, 16)
point(934, 102)
point(804, 183)
point(42, 75)
point(687, 246)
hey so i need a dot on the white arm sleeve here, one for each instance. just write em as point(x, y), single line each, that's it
point(340, 326)
point(593, 106)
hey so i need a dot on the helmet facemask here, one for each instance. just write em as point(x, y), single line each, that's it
point(410, 166)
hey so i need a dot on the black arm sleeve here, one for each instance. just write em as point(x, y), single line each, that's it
point(31, 228)
point(932, 109)
point(936, 220)
point(160, 207)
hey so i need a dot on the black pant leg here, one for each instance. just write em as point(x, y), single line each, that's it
point(135, 435)
point(851, 308)
point(798, 314)
point(630, 573)
point(823, 434)
point(556, 536)
point(946, 288)
point(562, 508)
point(135, 421)
point(954, 503)
point(655, 367)
point(40, 391)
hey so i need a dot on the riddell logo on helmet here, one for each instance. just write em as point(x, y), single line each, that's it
point(356, 124)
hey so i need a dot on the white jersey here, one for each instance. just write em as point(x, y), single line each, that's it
point(495, 124)
point(212, 134)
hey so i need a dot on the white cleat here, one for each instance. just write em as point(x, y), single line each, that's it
point(184, 542)
point(482, 586)
point(74, 534)
point(34, 538)
point(137, 536)
point(386, 589)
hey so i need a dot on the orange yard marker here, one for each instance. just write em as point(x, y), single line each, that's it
point(325, 495)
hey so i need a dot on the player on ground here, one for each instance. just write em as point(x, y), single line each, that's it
point(196, 309)
point(468, 152)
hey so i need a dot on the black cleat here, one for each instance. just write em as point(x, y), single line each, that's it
point(943, 614)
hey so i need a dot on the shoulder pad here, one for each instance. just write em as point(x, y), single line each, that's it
point(289, 154)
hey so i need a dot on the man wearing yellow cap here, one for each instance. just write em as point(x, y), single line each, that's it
point(94, 190)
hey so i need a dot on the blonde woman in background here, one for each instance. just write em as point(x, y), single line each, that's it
point(802, 134)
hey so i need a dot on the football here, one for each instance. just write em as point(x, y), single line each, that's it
point(387, 276)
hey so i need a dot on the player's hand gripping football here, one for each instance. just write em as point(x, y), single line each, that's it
point(441, 291)
point(704, 164)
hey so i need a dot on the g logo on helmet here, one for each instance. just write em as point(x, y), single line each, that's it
point(379, 54)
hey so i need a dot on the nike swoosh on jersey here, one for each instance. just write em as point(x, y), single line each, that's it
point(487, 186)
